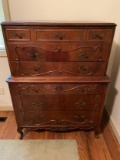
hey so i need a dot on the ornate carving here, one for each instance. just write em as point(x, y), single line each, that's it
point(80, 120)
point(41, 89)
point(36, 89)
point(81, 69)
point(35, 54)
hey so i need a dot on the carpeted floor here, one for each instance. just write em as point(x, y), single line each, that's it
point(38, 150)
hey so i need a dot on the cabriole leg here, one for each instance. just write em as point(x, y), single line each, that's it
point(21, 133)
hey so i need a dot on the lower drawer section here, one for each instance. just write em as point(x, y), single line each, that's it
point(81, 118)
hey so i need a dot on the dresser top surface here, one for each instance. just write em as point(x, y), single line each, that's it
point(57, 23)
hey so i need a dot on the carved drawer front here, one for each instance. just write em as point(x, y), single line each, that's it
point(100, 35)
point(59, 34)
point(57, 89)
point(58, 52)
point(58, 118)
point(58, 102)
point(18, 34)
point(19, 68)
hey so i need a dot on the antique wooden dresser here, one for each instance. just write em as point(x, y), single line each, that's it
point(58, 76)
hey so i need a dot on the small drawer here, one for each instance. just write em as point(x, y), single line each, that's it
point(14, 34)
point(59, 34)
point(19, 68)
point(59, 118)
point(70, 102)
point(56, 52)
point(100, 35)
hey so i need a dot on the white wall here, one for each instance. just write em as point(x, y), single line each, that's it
point(79, 10)
point(5, 100)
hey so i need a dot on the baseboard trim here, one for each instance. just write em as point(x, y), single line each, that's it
point(6, 108)
point(112, 124)
point(114, 130)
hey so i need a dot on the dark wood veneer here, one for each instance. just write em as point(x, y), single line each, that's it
point(58, 80)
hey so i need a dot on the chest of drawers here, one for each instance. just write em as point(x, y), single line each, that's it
point(58, 76)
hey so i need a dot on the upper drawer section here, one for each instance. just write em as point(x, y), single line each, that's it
point(18, 34)
point(59, 34)
point(99, 35)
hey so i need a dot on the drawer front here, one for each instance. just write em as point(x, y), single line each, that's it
point(100, 35)
point(58, 52)
point(18, 34)
point(58, 34)
point(56, 102)
point(59, 118)
point(58, 68)
point(33, 89)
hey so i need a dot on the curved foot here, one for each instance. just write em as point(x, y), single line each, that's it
point(21, 133)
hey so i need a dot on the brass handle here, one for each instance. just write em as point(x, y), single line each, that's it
point(21, 35)
point(83, 68)
point(100, 36)
point(80, 117)
point(39, 117)
point(35, 68)
point(60, 36)
point(33, 54)
point(37, 104)
point(83, 55)
point(81, 103)
point(59, 88)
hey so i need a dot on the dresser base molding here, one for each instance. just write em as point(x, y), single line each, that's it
point(24, 130)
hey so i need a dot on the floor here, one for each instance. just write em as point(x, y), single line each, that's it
point(105, 147)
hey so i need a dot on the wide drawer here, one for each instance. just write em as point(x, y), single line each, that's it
point(33, 89)
point(58, 34)
point(18, 34)
point(59, 118)
point(58, 52)
point(100, 35)
point(58, 102)
point(19, 68)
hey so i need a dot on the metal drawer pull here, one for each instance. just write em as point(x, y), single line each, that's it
point(37, 104)
point(21, 35)
point(59, 88)
point(80, 117)
point(33, 54)
point(100, 36)
point(83, 68)
point(83, 55)
point(35, 68)
point(60, 36)
point(81, 103)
